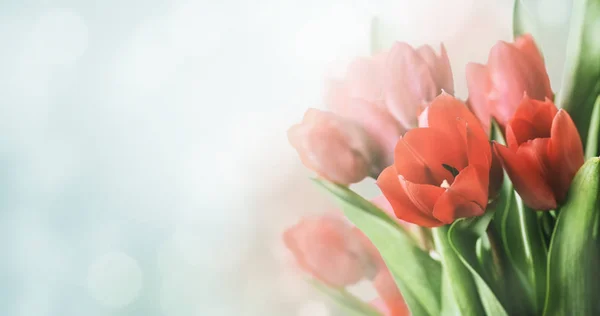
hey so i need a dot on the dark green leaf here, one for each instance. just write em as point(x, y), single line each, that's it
point(573, 260)
point(581, 76)
point(417, 275)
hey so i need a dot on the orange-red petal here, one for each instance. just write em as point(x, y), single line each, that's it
point(528, 177)
point(466, 197)
point(565, 153)
point(403, 207)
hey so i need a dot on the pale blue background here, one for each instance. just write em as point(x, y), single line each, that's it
point(144, 168)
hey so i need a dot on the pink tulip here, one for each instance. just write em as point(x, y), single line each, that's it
point(513, 69)
point(336, 148)
point(383, 130)
point(388, 292)
point(329, 248)
point(412, 79)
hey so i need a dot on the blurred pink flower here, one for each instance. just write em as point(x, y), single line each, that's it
point(336, 148)
point(328, 248)
point(383, 130)
point(389, 294)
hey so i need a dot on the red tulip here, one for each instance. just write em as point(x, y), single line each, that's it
point(335, 148)
point(328, 248)
point(441, 172)
point(393, 303)
point(496, 89)
point(544, 152)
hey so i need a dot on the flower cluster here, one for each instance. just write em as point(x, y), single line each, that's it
point(438, 161)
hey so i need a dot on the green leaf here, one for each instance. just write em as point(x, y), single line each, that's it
point(573, 261)
point(523, 21)
point(417, 275)
point(581, 76)
point(464, 235)
point(449, 304)
point(593, 139)
point(463, 288)
point(352, 305)
point(524, 248)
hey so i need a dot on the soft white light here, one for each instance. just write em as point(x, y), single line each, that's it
point(553, 12)
point(115, 279)
point(60, 36)
point(363, 289)
point(327, 42)
point(423, 21)
point(313, 308)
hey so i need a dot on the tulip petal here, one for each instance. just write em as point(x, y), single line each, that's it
point(439, 67)
point(507, 68)
point(565, 153)
point(527, 176)
point(422, 152)
point(443, 114)
point(532, 119)
point(444, 71)
point(403, 207)
point(466, 197)
point(480, 87)
point(383, 130)
point(408, 82)
point(526, 45)
point(423, 196)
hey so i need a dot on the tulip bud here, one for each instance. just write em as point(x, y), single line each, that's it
point(329, 249)
point(544, 152)
point(496, 89)
point(335, 148)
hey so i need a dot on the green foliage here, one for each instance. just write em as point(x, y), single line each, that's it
point(581, 76)
point(351, 305)
point(417, 275)
point(573, 260)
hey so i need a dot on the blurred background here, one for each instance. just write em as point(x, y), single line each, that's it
point(145, 168)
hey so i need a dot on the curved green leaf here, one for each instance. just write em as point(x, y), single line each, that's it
point(581, 76)
point(352, 305)
point(464, 235)
point(593, 139)
point(463, 288)
point(573, 260)
point(417, 275)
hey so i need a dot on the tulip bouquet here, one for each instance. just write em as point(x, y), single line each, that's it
point(489, 206)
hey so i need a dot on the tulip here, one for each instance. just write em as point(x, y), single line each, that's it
point(335, 148)
point(441, 172)
point(383, 130)
point(389, 295)
point(496, 89)
point(412, 79)
point(544, 152)
point(328, 248)
point(402, 81)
